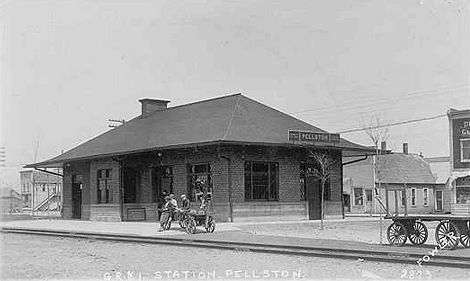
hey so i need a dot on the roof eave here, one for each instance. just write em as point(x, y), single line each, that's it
point(51, 163)
point(423, 183)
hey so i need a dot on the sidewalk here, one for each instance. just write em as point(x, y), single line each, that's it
point(225, 232)
point(147, 229)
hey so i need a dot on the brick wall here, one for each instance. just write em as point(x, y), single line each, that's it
point(289, 181)
point(104, 212)
point(289, 171)
point(113, 181)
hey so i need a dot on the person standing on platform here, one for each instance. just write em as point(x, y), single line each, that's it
point(186, 204)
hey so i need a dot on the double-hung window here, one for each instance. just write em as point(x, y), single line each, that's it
point(425, 197)
point(261, 181)
point(104, 194)
point(413, 197)
point(199, 180)
point(465, 150)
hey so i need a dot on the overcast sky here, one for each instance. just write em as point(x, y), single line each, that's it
point(68, 66)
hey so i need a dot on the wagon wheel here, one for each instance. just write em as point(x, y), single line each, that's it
point(418, 233)
point(447, 235)
point(190, 226)
point(167, 224)
point(165, 221)
point(465, 236)
point(181, 220)
point(396, 234)
point(210, 227)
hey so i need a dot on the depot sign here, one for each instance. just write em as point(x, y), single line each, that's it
point(312, 137)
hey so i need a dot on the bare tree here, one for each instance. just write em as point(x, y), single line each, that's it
point(323, 173)
point(378, 132)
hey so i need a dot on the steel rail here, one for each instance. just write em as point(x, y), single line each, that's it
point(366, 255)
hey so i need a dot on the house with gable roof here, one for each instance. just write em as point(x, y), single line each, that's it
point(405, 183)
point(251, 159)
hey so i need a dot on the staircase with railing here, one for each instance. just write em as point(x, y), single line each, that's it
point(51, 203)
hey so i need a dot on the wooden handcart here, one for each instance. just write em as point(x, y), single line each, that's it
point(202, 216)
point(450, 231)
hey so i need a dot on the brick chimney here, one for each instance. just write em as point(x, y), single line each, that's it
point(151, 105)
point(383, 146)
point(405, 148)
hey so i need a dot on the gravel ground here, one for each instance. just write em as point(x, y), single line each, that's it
point(360, 231)
point(46, 258)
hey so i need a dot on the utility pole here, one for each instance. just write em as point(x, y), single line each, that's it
point(376, 190)
point(2, 156)
point(116, 122)
point(378, 134)
point(33, 179)
point(59, 195)
point(32, 193)
point(48, 200)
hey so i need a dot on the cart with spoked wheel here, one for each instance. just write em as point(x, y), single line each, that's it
point(199, 218)
point(450, 231)
point(202, 216)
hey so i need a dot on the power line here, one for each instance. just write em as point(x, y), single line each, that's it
point(371, 102)
point(392, 124)
point(405, 96)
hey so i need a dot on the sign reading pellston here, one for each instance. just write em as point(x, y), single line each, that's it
point(313, 137)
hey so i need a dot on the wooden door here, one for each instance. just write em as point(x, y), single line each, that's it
point(76, 197)
point(439, 200)
point(313, 196)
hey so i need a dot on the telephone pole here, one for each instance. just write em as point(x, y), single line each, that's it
point(2, 156)
point(116, 122)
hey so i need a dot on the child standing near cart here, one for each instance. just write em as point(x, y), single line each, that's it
point(167, 210)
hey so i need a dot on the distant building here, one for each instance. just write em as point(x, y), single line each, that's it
point(440, 167)
point(401, 176)
point(459, 124)
point(10, 200)
point(45, 187)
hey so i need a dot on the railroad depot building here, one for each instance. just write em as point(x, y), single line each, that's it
point(254, 161)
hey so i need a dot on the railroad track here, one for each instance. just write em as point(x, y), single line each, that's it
point(246, 247)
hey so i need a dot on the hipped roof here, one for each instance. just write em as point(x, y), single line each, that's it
point(228, 119)
point(404, 168)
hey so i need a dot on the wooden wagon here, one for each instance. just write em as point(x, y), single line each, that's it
point(450, 231)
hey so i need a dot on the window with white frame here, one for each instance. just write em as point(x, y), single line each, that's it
point(465, 150)
point(413, 197)
point(425, 197)
point(358, 196)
